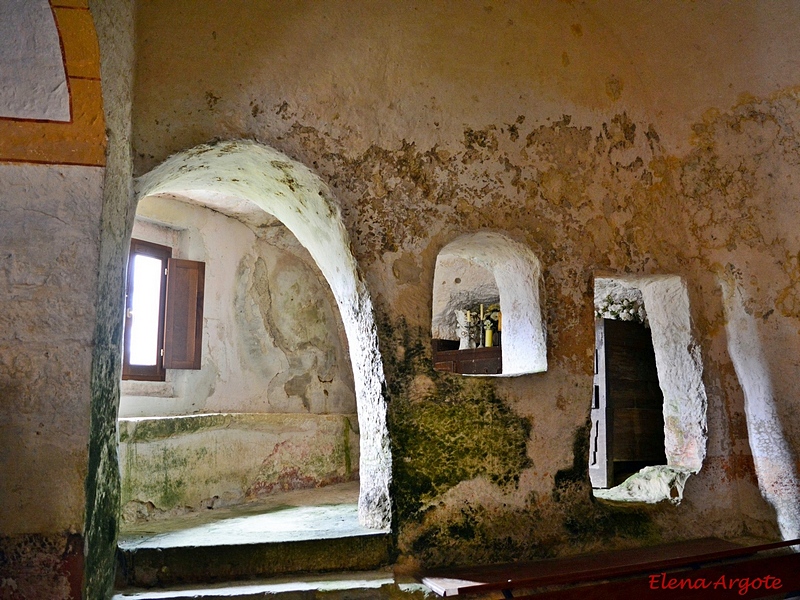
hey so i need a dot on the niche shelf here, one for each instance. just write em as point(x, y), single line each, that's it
point(473, 361)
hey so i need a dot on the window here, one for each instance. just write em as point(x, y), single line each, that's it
point(488, 268)
point(163, 312)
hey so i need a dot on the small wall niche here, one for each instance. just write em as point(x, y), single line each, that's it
point(490, 272)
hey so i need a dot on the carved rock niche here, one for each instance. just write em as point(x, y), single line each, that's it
point(488, 268)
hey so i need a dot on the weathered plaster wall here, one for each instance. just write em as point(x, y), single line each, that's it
point(33, 81)
point(51, 107)
point(421, 71)
point(47, 328)
point(49, 237)
point(628, 139)
point(114, 21)
point(273, 340)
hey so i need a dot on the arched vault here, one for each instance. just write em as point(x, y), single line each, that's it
point(232, 177)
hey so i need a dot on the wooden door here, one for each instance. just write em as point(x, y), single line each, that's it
point(630, 402)
point(600, 468)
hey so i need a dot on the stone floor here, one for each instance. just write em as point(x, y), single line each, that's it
point(321, 513)
point(317, 514)
point(373, 585)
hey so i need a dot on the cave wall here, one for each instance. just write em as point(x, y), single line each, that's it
point(52, 168)
point(625, 140)
point(622, 139)
point(273, 406)
point(173, 465)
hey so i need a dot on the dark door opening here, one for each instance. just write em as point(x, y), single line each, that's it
point(627, 406)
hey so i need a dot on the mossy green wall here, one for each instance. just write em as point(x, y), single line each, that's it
point(196, 461)
point(450, 432)
point(114, 24)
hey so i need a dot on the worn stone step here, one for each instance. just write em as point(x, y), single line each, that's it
point(149, 567)
point(250, 541)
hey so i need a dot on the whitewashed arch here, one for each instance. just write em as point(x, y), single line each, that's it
point(517, 273)
point(231, 175)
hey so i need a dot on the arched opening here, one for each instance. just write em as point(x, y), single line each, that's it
point(623, 414)
point(485, 268)
point(267, 403)
point(238, 178)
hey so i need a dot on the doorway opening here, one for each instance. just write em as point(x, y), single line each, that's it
point(648, 407)
point(627, 409)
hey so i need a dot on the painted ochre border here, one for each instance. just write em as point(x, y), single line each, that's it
point(81, 140)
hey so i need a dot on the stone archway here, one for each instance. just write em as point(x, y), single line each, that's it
point(233, 174)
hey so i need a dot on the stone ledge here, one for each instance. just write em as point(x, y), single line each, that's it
point(147, 429)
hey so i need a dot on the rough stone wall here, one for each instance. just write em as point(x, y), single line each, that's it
point(47, 326)
point(618, 141)
point(52, 154)
point(176, 464)
point(50, 238)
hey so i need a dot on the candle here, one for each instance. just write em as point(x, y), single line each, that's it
point(481, 312)
point(499, 321)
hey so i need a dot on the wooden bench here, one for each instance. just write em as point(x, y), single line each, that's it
point(705, 568)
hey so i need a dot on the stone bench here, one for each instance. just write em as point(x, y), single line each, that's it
point(193, 461)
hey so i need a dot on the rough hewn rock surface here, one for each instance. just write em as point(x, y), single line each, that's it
point(535, 127)
point(633, 140)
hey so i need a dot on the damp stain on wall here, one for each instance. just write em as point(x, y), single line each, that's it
point(586, 199)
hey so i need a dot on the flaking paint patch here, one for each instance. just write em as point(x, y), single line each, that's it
point(41, 566)
point(543, 171)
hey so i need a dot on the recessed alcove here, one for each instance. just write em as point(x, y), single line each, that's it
point(240, 179)
point(489, 270)
point(639, 321)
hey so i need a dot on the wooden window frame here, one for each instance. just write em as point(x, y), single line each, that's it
point(180, 323)
point(473, 361)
